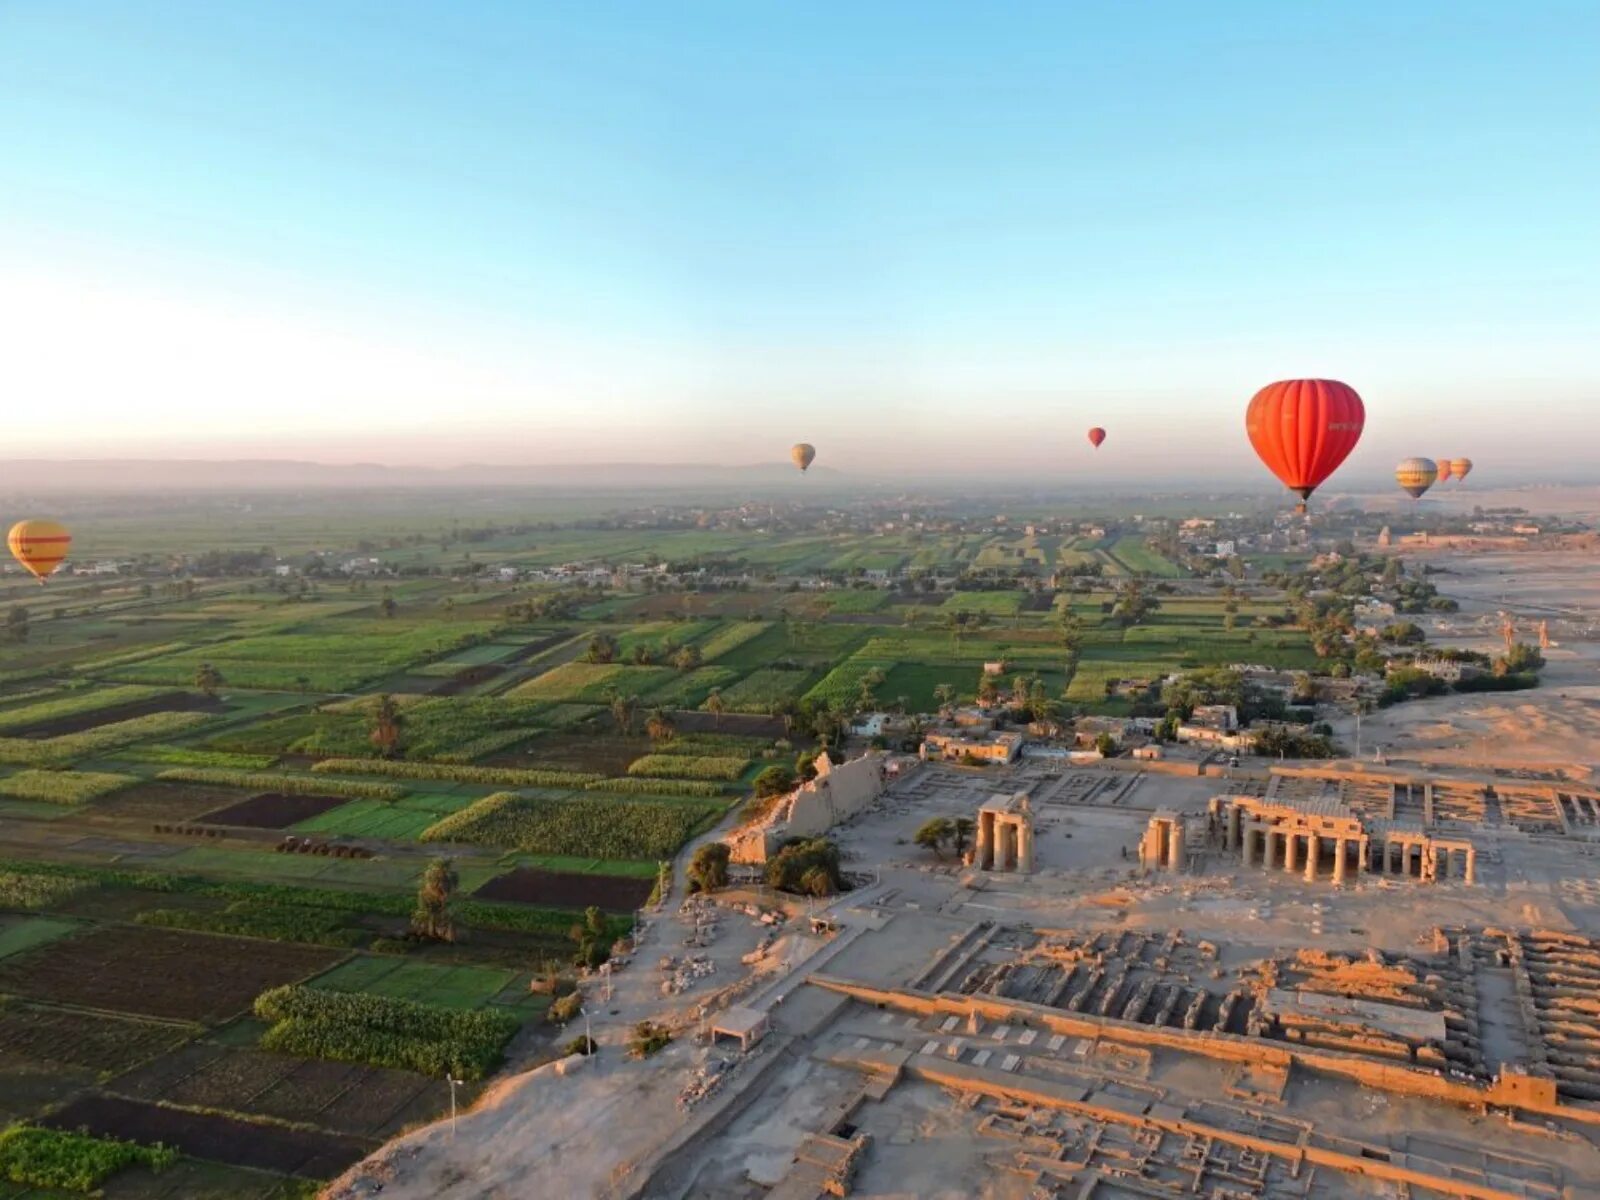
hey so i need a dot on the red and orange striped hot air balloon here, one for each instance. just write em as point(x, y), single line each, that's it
point(40, 546)
point(1303, 429)
point(1096, 436)
point(1444, 469)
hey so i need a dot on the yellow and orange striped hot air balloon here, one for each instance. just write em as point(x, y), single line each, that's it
point(40, 546)
point(1460, 468)
point(1416, 475)
point(802, 453)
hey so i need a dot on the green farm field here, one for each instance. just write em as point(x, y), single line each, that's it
point(263, 766)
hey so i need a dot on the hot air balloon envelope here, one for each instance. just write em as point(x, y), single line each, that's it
point(1416, 475)
point(1444, 469)
point(1304, 428)
point(802, 453)
point(40, 546)
point(1460, 467)
point(1096, 436)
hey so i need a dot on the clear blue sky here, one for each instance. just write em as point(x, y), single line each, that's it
point(669, 231)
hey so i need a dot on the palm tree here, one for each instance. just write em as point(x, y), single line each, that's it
point(659, 726)
point(716, 707)
point(386, 722)
point(1070, 627)
point(207, 678)
point(432, 919)
point(623, 710)
point(945, 695)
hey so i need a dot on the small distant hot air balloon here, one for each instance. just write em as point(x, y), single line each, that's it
point(1096, 436)
point(802, 453)
point(1303, 429)
point(1416, 475)
point(1444, 469)
point(40, 546)
point(1460, 468)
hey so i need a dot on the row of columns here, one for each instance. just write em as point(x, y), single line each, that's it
point(1005, 842)
point(1263, 842)
point(1425, 858)
point(1421, 857)
point(1162, 848)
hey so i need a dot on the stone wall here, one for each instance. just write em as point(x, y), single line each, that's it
point(816, 806)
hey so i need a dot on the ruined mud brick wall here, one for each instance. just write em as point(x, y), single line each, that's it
point(1512, 1087)
point(816, 806)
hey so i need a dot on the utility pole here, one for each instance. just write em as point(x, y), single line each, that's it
point(454, 1083)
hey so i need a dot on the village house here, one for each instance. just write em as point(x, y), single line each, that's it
point(989, 746)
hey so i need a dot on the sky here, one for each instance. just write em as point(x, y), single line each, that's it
point(919, 235)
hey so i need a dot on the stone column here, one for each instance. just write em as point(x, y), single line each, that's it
point(1233, 826)
point(1006, 836)
point(1338, 861)
point(1291, 851)
point(1472, 866)
point(1271, 859)
point(984, 855)
point(1024, 847)
point(1312, 850)
point(1175, 847)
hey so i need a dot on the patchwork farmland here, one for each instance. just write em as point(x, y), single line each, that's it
point(219, 798)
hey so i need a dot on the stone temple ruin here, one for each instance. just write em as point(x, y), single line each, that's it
point(1331, 840)
point(839, 791)
point(1216, 1023)
point(1005, 835)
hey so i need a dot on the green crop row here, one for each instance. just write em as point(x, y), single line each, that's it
point(188, 756)
point(456, 772)
point(384, 1032)
point(264, 919)
point(123, 657)
point(59, 751)
point(477, 914)
point(32, 889)
point(731, 637)
point(681, 766)
point(62, 787)
point(71, 704)
point(71, 1162)
point(724, 745)
point(489, 743)
point(297, 785)
point(659, 787)
point(635, 829)
point(765, 690)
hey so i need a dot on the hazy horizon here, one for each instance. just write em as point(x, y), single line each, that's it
point(700, 234)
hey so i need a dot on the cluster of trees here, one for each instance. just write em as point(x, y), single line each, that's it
point(806, 867)
point(938, 832)
point(1286, 741)
point(708, 868)
point(1133, 603)
point(592, 938)
point(549, 606)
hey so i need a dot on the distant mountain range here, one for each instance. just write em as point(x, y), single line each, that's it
point(177, 475)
